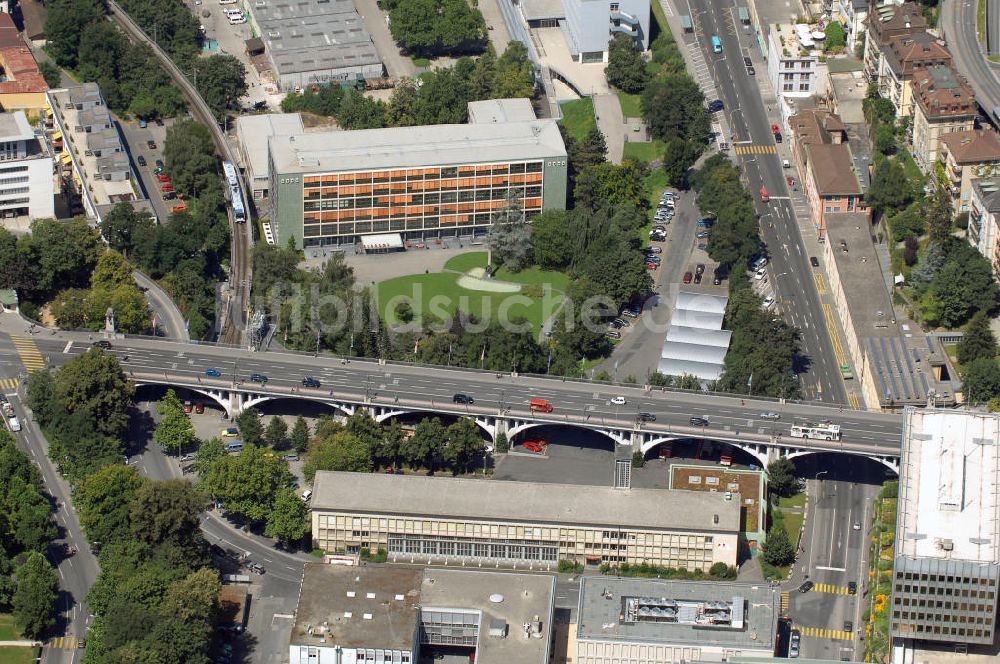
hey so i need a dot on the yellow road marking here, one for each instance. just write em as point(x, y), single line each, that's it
point(8, 383)
point(853, 400)
point(831, 326)
point(756, 149)
point(64, 643)
point(825, 633)
point(820, 283)
point(28, 351)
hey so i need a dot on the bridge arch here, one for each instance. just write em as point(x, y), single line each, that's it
point(752, 450)
point(218, 396)
point(251, 400)
point(383, 414)
point(886, 461)
point(616, 436)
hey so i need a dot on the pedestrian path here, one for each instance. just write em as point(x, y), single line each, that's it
point(825, 633)
point(755, 149)
point(28, 352)
point(9, 383)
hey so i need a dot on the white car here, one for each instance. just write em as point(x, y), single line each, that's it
point(768, 301)
point(760, 274)
point(618, 401)
point(770, 416)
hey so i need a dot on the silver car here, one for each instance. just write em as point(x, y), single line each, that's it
point(770, 416)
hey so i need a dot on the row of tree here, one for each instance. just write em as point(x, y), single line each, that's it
point(28, 583)
point(430, 28)
point(111, 287)
point(440, 96)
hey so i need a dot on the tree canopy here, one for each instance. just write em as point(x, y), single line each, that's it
point(436, 27)
point(626, 68)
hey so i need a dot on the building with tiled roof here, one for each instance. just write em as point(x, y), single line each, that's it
point(905, 55)
point(984, 220)
point(967, 156)
point(943, 103)
point(885, 22)
point(22, 86)
point(823, 156)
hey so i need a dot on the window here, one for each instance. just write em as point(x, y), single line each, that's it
point(614, 6)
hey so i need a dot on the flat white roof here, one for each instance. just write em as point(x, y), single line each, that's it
point(694, 352)
point(696, 335)
point(254, 130)
point(697, 320)
point(702, 302)
point(382, 241)
point(491, 111)
point(700, 370)
point(950, 472)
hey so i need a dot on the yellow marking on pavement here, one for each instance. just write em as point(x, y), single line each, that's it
point(784, 603)
point(756, 149)
point(64, 643)
point(829, 588)
point(853, 400)
point(825, 633)
point(831, 326)
point(28, 351)
point(8, 383)
point(820, 283)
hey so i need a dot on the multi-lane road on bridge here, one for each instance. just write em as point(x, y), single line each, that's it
point(431, 389)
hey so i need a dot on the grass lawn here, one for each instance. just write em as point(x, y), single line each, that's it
point(630, 104)
point(465, 262)
point(913, 171)
point(578, 117)
point(798, 500)
point(645, 152)
point(793, 524)
point(533, 275)
point(660, 19)
point(434, 295)
point(7, 630)
point(421, 62)
point(12, 655)
point(654, 184)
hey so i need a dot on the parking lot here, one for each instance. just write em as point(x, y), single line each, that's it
point(137, 139)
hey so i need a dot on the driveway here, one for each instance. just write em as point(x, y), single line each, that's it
point(136, 141)
point(396, 64)
point(611, 122)
point(232, 41)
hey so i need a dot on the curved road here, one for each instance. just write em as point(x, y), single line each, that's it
point(169, 320)
point(958, 26)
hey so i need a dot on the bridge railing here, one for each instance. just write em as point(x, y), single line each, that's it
point(487, 372)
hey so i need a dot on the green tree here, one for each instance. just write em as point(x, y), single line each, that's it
point(251, 429)
point(34, 601)
point(890, 189)
point(103, 501)
point(777, 549)
point(390, 448)
point(977, 341)
point(288, 520)
point(93, 384)
point(51, 74)
point(341, 451)
point(174, 431)
point(464, 445)
point(836, 38)
point(885, 139)
point(190, 157)
point(674, 107)
point(425, 448)
point(63, 254)
point(300, 435)
point(590, 151)
point(781, 477)
point(981, 381)
point(71, 308)
point(166, 512)
point(41, 396)
point(222, 80)
point(626, 68)
point(246, 483)
point(552, 237)
point(437, 27)
point(678, 157)
point(207, 453)
point(509, 237)
point(111, 271)
point(616, 185)
point(276, 432)
point(29, 519)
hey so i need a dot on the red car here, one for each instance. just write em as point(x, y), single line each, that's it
point(688, 277)
point(651, 265)
point(199, 408)
point(167, 187)
point(537, 446)
point(163, 177)
point(188, 406)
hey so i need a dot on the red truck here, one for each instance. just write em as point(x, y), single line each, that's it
point(540, 406)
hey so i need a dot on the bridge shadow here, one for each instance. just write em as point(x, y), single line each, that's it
point(141, 427)
point(841, 468)
point(566, 435)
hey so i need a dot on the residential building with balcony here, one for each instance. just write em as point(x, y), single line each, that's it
point(904, 55)
point(823, 157)
point(26, 170)
point(419, 183)
point(984, 220)
point(852, 14)
point(791, 64)
point(589, 25)
point(968, 156)
point(886, 21)
point(944, 104)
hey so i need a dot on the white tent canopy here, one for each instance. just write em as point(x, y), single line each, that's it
point(382, 242)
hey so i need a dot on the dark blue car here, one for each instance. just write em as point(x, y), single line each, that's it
point(213, 372)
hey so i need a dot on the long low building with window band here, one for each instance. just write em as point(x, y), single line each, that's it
point(475, 522)
point(333, 187)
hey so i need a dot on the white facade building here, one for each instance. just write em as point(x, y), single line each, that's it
point(852, 14)
point(26, 182)
point(791, 64)
point(590, 25)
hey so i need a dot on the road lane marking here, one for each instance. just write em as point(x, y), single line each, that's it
point(69, 344)
point(831, 326)
point(825, 633)
point(820, 282)
point(755, 149)
point(28, 352)
point(9, 383)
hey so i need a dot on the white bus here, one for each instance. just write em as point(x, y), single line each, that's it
point(819, 431)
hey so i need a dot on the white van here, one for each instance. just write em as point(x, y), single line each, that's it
point(14, 424)
point(306, 495)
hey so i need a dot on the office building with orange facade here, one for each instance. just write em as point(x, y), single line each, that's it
point(413, 184)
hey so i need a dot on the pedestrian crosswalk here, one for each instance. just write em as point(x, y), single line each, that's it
point(28, 351)
point(65, 643)
point(784, 603)
point(825, 633)
point(755, 149)
point(8, 383)
point(829, 588)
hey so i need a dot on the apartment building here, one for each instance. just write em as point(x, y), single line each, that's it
point(469, 522)
point(22, 86)
point(984, 220)
point(944, 104)
point(886, 21)
point(823, 156)
point(904, 55)
point(337, 187)
point(589, 26)
point(853, 15)
point(26, 170)
point(791, 65)
point(968, 156)
point(947, 553)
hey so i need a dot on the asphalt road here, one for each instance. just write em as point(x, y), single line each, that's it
point(841, 494)
point(77, 572)
point(432, 388)
point(789, 270)
point(169, 321)
point(958, 25)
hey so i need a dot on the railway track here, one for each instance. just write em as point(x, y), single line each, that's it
point(241, 234)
